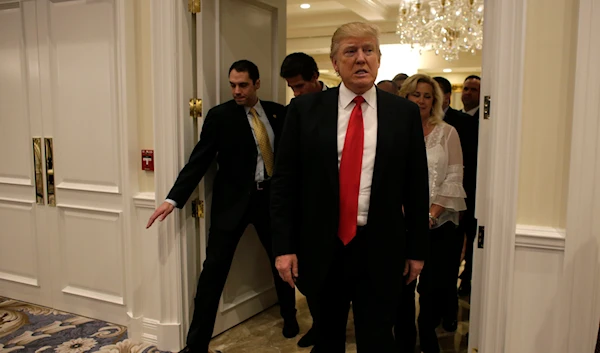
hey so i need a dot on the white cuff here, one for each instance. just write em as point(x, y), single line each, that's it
point(172, 202)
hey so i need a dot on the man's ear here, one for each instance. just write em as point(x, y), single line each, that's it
point(257, 83)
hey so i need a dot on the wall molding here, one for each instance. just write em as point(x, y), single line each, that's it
point(167, 104)
point(145, 200)
point(540, 237)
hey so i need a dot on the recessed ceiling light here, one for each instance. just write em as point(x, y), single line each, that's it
point(447, 70)
point(323, 71)
point(305, 6)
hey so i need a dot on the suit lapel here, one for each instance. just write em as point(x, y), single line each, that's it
point(244, 124)
point(328, 132)
point(384, 119)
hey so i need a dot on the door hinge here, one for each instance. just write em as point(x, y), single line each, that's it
point(195, 108)
point(480, 237)
point(475, 350)
point(198, 208)
point(487, 101)
point(194, 6)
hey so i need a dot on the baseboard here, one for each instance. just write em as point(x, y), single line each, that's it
point(167, 337)
point(540, 237)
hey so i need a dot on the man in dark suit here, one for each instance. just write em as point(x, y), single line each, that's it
point(349, 159)
point(470, 99)
point(301, 73)
point(465, 125)
point(242, 134)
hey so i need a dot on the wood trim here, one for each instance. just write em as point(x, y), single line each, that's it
point(538, 237)
point(166, 103)
point(498, 170)
point(581, 271)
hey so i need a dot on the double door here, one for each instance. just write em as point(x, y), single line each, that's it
point(62, 177)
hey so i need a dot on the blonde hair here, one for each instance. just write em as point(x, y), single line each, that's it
point(353, 29)
point(410, 86)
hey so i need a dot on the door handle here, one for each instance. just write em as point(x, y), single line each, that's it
point(38, 172)
point(50, 191)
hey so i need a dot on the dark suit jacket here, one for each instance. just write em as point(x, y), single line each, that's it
point(467, 127)
point(226, 134)
point(305, 190)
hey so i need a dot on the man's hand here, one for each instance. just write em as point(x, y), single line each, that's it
point(413, 268)
point(287, 265)
point(162, 211)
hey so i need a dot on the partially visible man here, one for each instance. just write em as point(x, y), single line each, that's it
point(470, 99)
point(399, 79)
point(465, 125)
point(349, 159)
point(388, 86)
point(241, 134)
point(301, 73)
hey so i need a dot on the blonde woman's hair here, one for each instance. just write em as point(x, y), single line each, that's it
point(410, 86)
point(353, 29)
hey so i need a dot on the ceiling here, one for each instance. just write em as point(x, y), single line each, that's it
point(310, 30)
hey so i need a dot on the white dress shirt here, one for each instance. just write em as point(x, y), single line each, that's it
point(369, 111)
point(262, 116)
point(260, 164)
point(472, 111)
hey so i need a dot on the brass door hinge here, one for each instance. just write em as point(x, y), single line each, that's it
point(195, 108)
point(487, 102)
point(198, 208)
point(194, 6)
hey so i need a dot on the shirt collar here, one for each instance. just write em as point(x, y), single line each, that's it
point(346, 96)
point(324, 87)
point(472, 111)
point(258, 107)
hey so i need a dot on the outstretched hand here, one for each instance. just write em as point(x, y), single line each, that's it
point(161, 213)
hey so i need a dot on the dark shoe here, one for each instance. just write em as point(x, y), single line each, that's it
point(465, 289)
point(449, 325)
point(308, 339)
point(290, 328)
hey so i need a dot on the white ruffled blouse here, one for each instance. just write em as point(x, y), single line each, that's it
point(445, 165)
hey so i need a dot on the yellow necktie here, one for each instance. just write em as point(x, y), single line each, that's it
point(264, 144)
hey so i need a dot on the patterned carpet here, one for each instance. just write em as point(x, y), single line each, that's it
point(28, 328)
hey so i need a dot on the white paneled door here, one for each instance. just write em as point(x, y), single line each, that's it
point(62, 235)
point(256, 34)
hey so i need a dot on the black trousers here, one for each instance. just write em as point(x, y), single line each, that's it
point(470, 229)
point(349, 281)
point(437, 283)
point(219, 256)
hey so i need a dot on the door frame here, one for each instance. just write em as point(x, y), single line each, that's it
point(581, 266)
point(503, 65)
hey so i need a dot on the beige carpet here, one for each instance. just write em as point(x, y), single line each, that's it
point(262, 333)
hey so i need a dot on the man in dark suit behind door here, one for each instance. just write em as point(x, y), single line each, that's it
point(242, 133)
point(349, 159)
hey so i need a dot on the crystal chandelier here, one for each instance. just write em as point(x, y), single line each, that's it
point(444, 26)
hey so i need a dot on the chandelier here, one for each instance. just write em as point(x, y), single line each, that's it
point(446, 27)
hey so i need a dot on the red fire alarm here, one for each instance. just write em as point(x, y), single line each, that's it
point(148, 160)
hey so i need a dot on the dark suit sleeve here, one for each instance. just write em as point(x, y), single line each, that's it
point(201, 158)
point(285, 185)
point(416, 191)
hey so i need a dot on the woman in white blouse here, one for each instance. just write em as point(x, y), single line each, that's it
point(446, 200)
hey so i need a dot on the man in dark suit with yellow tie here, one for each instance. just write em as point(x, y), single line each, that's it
point(242, 134)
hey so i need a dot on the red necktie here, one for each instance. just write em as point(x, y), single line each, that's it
point(350, 170)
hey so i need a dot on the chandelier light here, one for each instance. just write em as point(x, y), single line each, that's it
point(446, 27)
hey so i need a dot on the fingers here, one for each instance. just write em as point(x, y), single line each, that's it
point(163, 211)
point(153, 218)
point(295, 268)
